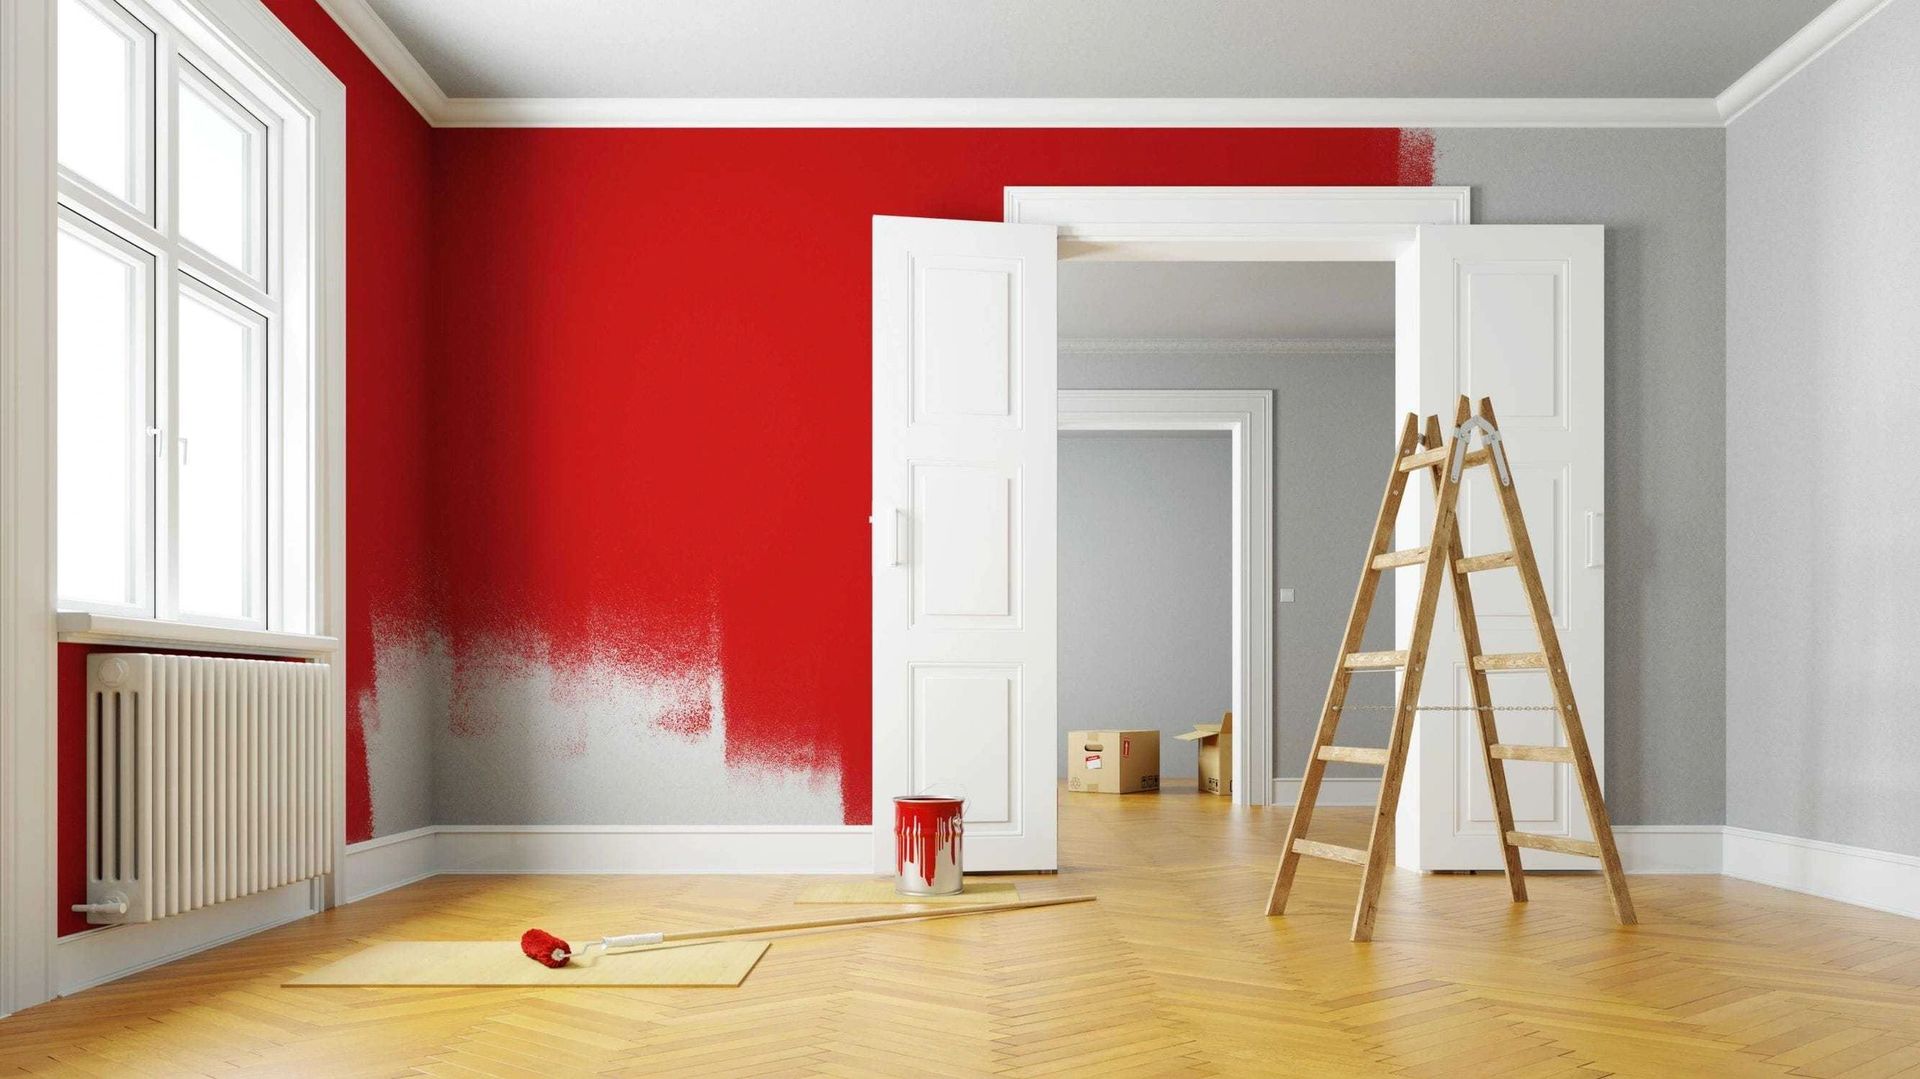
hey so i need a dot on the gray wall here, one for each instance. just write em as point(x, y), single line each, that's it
point(1661, 196)
point(1823, 405)
point(1334, 428)
point(1146, 585)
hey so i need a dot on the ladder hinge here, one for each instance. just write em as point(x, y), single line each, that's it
point(1463, 434)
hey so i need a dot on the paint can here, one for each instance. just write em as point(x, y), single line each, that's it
point(926, 845)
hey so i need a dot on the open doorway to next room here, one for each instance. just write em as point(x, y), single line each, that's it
point(1145, 530)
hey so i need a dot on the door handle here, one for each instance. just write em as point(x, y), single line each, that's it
point(1596, 539)
point(899, 522)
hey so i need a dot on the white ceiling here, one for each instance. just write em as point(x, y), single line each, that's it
point(1091, 48)
point(1234, 301)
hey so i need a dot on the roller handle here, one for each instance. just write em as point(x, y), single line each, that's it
point(633, 940)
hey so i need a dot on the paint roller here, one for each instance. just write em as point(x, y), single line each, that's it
point(550, 951)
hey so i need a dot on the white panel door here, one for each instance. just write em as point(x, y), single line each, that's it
point(964, 447)
point(1515, 313)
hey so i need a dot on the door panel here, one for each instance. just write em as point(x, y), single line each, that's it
point(964, 446)
point(965, 731)
point(965, 546)
point(1515, 313)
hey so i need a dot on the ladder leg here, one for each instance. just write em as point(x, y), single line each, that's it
point(1436, 567)
point(1342, 676)
point(1482, 693)
point(1583, 768)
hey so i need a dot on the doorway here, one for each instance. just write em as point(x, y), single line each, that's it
point(966, 382)
point(1311, 345)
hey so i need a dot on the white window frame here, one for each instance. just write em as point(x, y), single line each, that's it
point(29, 621)
point(270, 284)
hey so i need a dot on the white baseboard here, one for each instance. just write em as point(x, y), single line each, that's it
point(115, 951)
point(1669, 848)
point(388, 862)
point(655, 849)
point(1334, 791)
point(1864, 877)
point(391, 861)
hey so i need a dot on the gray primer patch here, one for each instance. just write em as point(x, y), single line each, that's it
point(530, 741)
point(412, 675)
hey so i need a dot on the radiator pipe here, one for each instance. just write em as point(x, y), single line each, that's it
point(115, 904)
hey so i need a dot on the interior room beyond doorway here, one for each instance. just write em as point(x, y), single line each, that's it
point(1144, 615)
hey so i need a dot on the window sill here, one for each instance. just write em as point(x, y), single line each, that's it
point(83, 627)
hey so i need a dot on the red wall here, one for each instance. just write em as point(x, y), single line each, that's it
point(389, 169)
point(654, 353)
point(615, 384)
point(390, 581)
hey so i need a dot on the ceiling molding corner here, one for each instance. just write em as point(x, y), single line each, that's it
point(1825, 30)
point(369, 31)
point(1227, 346)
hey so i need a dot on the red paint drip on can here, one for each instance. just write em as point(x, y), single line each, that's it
point(926, 845)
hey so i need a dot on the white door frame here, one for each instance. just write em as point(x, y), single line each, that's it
point(1247, 415)
point(1255, 224)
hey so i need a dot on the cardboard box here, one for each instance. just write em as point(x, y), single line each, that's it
point(1216, 754)
point(1113, 762)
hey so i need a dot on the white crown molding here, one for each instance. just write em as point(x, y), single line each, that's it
point(369, 31)
point(1227, 346)
point(1795, 53)
point(375, 38)
point(1076, 112)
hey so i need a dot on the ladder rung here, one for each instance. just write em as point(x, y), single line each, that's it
point(1353, 754)
point(1435, 456)
point(1330, 852)
point(1551, 754)
point(1511, 661)
point(1376, 659)
point(1476, 563)
point(1559, 844)
point(1392, 559)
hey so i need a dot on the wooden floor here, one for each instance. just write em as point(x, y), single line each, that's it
point(1174, 972)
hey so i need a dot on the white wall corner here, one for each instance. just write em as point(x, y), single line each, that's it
point(1878, 879)
point(27, 726)
point(1794, 54)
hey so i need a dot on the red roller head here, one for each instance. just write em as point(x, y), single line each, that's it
point(541, 947)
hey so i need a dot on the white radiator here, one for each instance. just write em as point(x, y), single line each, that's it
point(206, 781)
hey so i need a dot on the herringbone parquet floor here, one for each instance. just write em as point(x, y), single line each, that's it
point(1174, 972)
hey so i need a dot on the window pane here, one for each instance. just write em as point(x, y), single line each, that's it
point(103, 446)
point(219, 453)
point(103, 121)
point(220, 174)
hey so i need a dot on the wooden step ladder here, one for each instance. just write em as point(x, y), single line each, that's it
point(1446, 463)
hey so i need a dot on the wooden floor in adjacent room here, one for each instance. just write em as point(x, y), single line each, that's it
point(1173, 972)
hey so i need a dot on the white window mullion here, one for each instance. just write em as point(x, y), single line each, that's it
point(166, 530)
point(110, 214)
point(220, 277)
